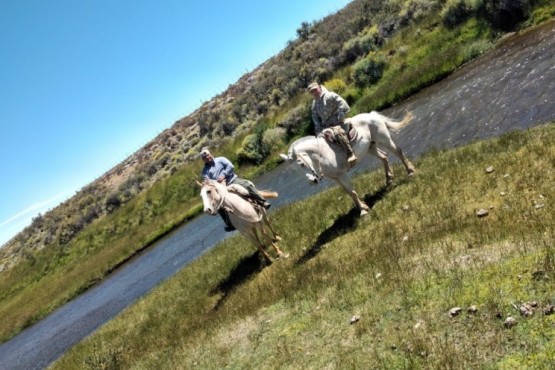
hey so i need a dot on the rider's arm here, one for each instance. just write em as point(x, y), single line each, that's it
point(317, 120)
point(227, 168)
point(342, 108)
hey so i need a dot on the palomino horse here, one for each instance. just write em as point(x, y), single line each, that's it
point(246, 217)
point(324, 159)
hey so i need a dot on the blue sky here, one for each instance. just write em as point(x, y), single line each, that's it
point(84, 84)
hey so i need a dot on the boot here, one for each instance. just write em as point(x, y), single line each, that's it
point(344, 142)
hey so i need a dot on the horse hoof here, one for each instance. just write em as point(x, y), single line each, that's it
point(277, 238)
point(283, 255)
point(363, 213)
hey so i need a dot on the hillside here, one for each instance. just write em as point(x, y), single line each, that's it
point(267, 98)
point(253, 98)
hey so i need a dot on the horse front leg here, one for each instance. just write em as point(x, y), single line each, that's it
point(346, 183)
point(255, 239)
point(382, 156)
point(272, 240)
point(276, 237)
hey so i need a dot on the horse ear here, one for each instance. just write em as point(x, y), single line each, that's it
point(198, 183)
point(284, 157)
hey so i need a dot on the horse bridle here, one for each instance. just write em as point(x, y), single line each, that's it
point(319, 176)
point(222, 199)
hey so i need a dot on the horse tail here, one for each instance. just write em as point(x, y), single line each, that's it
point(397, 125)
point(268, 194)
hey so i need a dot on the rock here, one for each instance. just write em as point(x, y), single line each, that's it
point(489, 169)
point(455, 311)
point(354, 319)
point(526, 310)
point(472, 309)
point(510, 322)
point(538, 275)
point(406, 208)
point(482, 212)
point(378, 275)
point(549, 309)
point(418, 324)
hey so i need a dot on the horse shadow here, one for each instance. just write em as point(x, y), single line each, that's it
point(245, 269)
point(343, 224)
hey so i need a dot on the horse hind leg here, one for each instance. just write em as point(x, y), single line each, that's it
point(408, 165)
point(389, 144)
point(382, 156)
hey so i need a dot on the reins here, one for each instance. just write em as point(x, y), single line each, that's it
point(317, 175)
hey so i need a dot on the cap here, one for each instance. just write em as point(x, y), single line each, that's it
point(313, 86)
point(204, 152)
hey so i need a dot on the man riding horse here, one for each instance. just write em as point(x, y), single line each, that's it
point(329, 111)
point(221, 170)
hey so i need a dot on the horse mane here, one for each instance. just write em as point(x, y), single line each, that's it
point(298, 142)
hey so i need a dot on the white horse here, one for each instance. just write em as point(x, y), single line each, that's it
point(249, 219)
point(321, 158)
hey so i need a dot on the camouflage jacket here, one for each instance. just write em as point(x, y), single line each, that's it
point(328, 110)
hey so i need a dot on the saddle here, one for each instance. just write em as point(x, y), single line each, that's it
point(330, 134)
point(243, 193)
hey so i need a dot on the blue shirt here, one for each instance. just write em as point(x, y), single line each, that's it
point(220, 166)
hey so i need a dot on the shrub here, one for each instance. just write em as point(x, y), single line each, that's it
point(505, 15)
point(297, 120)
point(253, 149)
point(369, 70)
point(113, 202)
point(456, 12)
point(361, 45)
point(476, 49)
point(336, 85)
point(273, 137)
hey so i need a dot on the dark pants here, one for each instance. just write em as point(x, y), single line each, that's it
point(223, 214)
point(253, 193)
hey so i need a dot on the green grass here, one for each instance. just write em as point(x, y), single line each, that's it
point(424, 54)
point(420, 252)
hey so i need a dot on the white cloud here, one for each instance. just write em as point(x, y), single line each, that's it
point(14, 224)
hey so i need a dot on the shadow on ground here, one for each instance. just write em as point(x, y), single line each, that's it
point(244, 270)
point(342, 225)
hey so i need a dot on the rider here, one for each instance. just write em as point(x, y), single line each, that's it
point(221, 170)
point(329, 110)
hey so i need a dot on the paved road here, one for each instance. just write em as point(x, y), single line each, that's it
point(512, 87)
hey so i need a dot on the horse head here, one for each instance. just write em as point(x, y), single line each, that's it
point(302, 158)
point(213, 195)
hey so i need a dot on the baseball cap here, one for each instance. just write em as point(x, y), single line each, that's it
point(313, 86)
point(204, 152)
